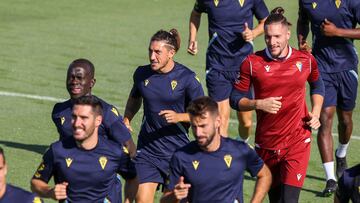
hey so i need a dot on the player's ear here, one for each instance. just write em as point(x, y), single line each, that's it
point(5, 169)
point(92, 83)
point(98, 120)
point(217, 121)
point(172, 52)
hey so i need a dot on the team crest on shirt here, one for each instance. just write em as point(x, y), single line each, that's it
point(195, 164)
point(241, 2)
point(299, 65)
point(173, 84)
point(103, 161)
point(62, 120)
point(228, 159)
point(146, 82)
point(267, 68)
point(114, 110)
point(68, 161)
point(36, 200)
point(216, 2)
point(338, 3)
point(314, 4)
point(298, 176)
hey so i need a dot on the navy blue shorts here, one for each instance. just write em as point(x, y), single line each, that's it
point(151, 169)
point(340, 89)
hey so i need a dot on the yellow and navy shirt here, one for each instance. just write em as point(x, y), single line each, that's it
point(214, 176)
point(15, 194)
point(170, 91)
point(333, 54)
point(226, 21)
point(349, 185)
point(91, 174)
point(112, 126)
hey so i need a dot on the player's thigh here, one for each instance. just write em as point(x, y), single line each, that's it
point(295, 163)
point(347, 92)
point(146, 192)
point(331, 89)
point(271, 159)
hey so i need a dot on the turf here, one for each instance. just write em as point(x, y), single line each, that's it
point(40, 38)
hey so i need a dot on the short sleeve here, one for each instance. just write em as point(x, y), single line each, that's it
point(314, 70)
point(355, 9)
point(194, 89)
point(135, 92)
point(116, 129)
point(46, 169)
point(253, 163)
point(199, 6)
point(260, 10)
point(243, 83)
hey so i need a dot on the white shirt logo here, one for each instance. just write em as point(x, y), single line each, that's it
point(298, 176)
point(267, 68)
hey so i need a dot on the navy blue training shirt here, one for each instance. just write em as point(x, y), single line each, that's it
point(170, 91)
point(15, 194)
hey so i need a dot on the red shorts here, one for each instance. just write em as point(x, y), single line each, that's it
point(289, 165)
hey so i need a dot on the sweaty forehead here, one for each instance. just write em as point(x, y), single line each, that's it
point(77, 70)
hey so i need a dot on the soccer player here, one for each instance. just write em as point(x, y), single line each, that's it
point(79, 82)
point(231, 34)
point(211, 168)
point(333, 26)
point(165, 88)
point(9, 193)
point(349, 186)
point(283, 132)
point(85, 166)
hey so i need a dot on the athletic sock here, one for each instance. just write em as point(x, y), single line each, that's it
point(341, 150)
point(329, 170)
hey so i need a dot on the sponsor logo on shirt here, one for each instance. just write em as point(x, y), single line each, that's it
point(299, 65)
point(196, 164)
point(267, 68)
point(36, 200)
point(173, 84)
point(241, 2)
point(228, 159)
point(314, 4)
point(103, 162)
point(114, 110)
point(146, 82)
point(62, 120)
point(298, 176)
point(338, 3)
point(68, 161)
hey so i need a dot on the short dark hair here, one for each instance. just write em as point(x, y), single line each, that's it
point(2, 154)
point(83, 63)
point(92, 101)
point(201, 105)
point(276, 16)
point(171, 38)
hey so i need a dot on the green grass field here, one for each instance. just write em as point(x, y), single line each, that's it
point(40, 38)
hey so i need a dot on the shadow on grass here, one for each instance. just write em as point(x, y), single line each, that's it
point(40, 149)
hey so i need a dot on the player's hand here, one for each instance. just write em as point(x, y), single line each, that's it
point(181, 189)
point(59, 191)
point(192, 48)
point(270, 105)
point(314, 121)
point(170, 116)
point(328, 28)
point(127, 124)
point(304, 46)
point(247, 34)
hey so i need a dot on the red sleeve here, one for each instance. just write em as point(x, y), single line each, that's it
point(244, 80)
point(314, 71)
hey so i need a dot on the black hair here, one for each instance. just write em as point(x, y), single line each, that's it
point(172, 38)
point(201, 105)
point(276, 16)
point(83, 63)
point(92, 101)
